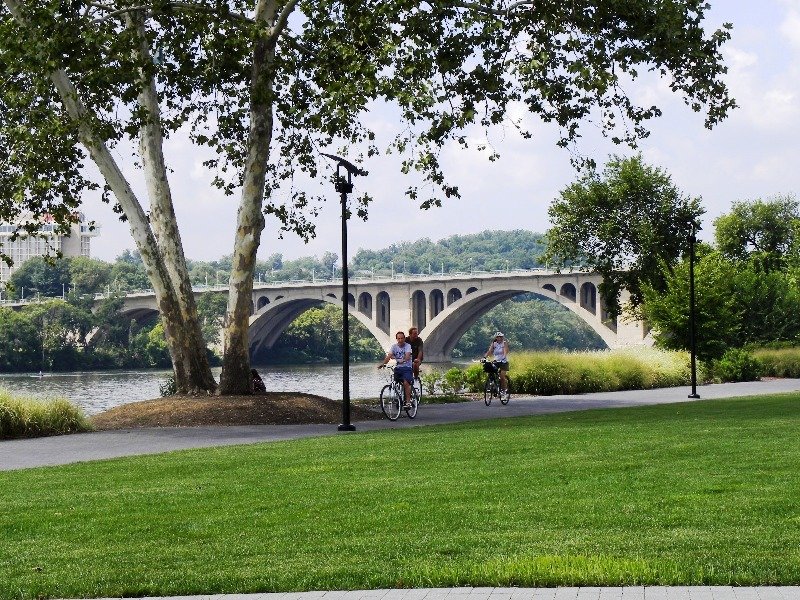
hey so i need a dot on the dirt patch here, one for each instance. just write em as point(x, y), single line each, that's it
point(271, 408)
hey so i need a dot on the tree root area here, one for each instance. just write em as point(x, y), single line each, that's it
point(271, 408)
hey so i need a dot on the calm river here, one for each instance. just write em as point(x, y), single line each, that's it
point(96, 391)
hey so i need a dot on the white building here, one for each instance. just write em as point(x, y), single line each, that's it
point(45, 242)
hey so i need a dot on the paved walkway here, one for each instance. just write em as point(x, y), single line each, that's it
point(563, 593)
point(22, 454)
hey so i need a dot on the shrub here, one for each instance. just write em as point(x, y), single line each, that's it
point(454, 381)
point(27, 417)
point(168, 387)
point(737, 365)
point(430, 381)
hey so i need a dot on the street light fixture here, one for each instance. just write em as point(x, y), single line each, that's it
point(344, 187)
point(692, 311)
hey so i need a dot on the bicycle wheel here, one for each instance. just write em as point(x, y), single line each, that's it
point(412, 412)
point(487, 392)
point(504, 398)
point(417, 385)
point(390, 403)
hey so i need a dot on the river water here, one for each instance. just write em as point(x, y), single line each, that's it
point(96, 391)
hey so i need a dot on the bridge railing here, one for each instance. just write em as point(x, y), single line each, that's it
point(358, 277)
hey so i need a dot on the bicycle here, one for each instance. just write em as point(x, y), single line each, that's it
point(392, 398)
point(491, 388)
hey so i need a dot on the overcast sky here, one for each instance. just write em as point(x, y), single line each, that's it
point(752, 154)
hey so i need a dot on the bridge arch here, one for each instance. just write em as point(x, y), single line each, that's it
point(269, 324)
point(365, 304)
point(419, 315)
point(436, 299)
point(589, 297)
point(446, 329)
point(453, 295)
point(568, 291)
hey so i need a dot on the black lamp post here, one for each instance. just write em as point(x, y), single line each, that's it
point(344, 187)
point(692, 311)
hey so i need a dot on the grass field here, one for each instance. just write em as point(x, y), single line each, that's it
point(701, 493)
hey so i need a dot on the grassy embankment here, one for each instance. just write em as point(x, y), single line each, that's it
point(701, 493)
point(27, 417)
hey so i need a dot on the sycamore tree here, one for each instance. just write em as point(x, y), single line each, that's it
point(265, 86)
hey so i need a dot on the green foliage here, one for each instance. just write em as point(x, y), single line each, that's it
point(763, 232)
point(484, 251)
point(737, 304)
point(40, 276)
point(89, 276)
point(430, 381)
point(453, 381)
point(737, 365)
point(211, 309)
point(168, 386)
point(549, 373)
point(779, 362)
point(630, 223)
point(27, 417)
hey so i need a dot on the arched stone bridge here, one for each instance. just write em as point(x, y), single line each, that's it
point(443, 307)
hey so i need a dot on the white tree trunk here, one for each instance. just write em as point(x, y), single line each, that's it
point(190, 363)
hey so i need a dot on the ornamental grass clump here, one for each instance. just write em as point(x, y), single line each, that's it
point(28, 417)
point(549, 373)
point(779, 362)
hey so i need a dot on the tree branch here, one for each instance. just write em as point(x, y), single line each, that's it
point(179, 5)
point(492, 11)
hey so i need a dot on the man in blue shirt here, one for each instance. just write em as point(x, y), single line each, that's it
point(401, 353)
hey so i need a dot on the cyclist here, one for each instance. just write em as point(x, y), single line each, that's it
point(498, 350)
point(416, 350)
point(401, 353)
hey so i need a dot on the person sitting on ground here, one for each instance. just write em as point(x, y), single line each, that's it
point(256, 383)
point(498, 350)
point(415, 342)
point(401, 353)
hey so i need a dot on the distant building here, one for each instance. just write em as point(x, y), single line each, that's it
point(46, 242)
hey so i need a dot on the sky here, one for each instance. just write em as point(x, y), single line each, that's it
point(752, 154)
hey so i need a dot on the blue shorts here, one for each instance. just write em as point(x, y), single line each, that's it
point(404, 374)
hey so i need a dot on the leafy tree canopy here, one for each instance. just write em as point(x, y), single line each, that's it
point(266, 85)
point(766, 231)
point(629, 223)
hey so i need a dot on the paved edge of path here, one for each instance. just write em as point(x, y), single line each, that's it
point(560, 593)
point(68, 449)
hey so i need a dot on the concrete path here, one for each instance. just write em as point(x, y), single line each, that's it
point(23, 454)
point(563, 593)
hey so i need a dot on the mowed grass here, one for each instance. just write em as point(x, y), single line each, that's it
point(701, 493)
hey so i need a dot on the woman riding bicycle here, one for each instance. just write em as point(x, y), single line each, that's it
point(498, 350)
point(401, 352)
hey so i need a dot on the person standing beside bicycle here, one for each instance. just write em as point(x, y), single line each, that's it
point(415, 342)
point(498, 350)
point(401, 353)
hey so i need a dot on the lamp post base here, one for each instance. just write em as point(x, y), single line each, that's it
point(693, 395)
point(348, 427)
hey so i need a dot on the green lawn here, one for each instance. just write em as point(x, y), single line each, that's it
point(703, 493)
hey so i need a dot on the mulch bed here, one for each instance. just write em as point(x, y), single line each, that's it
point(271, 408)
